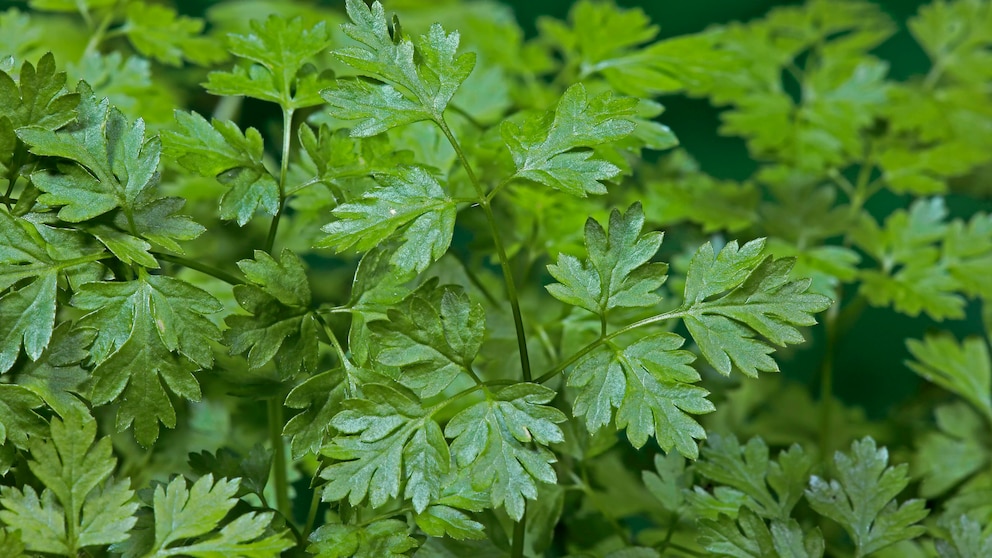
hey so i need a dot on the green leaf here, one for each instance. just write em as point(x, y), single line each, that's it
point(963, 369)
point(18, 420)
point(863, 501)
point(387, 538)
point(82, 505)
point(390, 440)
point(618, 273)
point(762, 300)
point(320, 397)
point(279, 49)
point(11, 544)
point(188, 523)
point(151, 330)
point(71, 6)
point(960, 51)
point(281, 326)
point(432, 336)
point(669, 481)
point(750, 537)
point(966, 540)
point(156, 31)
point(419, 78)
point(749, 470)
point(953, 453)
point(219, 149)
point(650, 385)
point(58, 375)
point(411, 206)
point(912, 277)
point(544, 147)
point(252, 470)
point(27, 317)
point(502, 441)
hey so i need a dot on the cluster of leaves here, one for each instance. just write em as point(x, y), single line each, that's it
point(422, 267)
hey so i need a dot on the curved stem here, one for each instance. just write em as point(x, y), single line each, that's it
point(504, 262)
point(312, 514)
point(287, 138)
point(519, 534)
point(224, 276)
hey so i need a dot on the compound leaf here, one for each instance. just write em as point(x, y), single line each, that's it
point(156, 31)
point(762, 300)
point(82, 505)
point(963, 368)
point(219, 149)
point(544, 147)
point(493, 439)
point(410, 204)
point(618, 272)
point(650, 385)
point(863, 501)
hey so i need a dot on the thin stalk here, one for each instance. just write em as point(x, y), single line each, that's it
point(312, 514)
point(504, 262)
point(519, 534)
point(279, 457)
point(287, 138)
point(98, 35)
point(826, 381)
point(224, 276)
point(561, 366)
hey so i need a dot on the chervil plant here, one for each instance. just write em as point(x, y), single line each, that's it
point(295, 281)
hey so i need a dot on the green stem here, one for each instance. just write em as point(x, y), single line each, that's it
point(98, 35)
point(504, 261)
point(224, 276)
point(519, 534)
point(312, 514)
point(826, 381)
point(279, 456)
point(287, 138)
point(606, 339)
point(686, 549)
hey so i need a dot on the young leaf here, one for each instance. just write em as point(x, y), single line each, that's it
point(544, 147)
point(281, 326)
point(863, 501)
point(650, 385)
point(419, 79)
point(390, 440)
point(151, 330)
point(387, 538)
point(82, 505)
point(753, 539)
point(963, 369)
point(748, 469)
point(410, 201)
point(762, 300)
point(18, 420)
point(492, 439)
point(219, 149)
point(187, 522)
point(618, 273)
point(966, 541)
point(280, 48)
point(954, 452)
point(432, 336)
point(156, 31)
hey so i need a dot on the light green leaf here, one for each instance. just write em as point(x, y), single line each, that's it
point(320, 398)
point(18, 421)
point(219, 149)
point(966, 540)
point(543, 147)
point(650, 385)
point(156, 31)
point(82, 505)
point(762, 300)
point(953, 453)
point(411, 205)
point(389, 440)
point(187, 522)
point(750, 537)
point(420, 78)
point(502, 440)
point(963, 369)
point(863, 501)
point(151, 330)
point(432, 336)
point(387, 538)
point(618, 272)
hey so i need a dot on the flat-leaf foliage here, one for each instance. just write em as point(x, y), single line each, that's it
point(392, 280)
